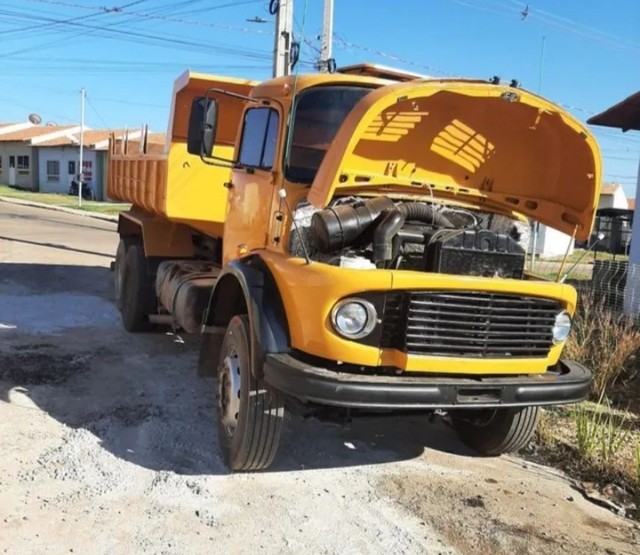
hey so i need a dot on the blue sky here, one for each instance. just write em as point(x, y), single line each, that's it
point(583, 54)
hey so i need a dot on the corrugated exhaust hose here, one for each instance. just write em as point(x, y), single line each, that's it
point(341, 226)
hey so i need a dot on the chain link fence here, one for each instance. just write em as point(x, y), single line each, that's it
point(613, 281)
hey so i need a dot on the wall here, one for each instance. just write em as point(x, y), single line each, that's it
point(552, 242)
point(27, 181)
point(63, 154)
point(617, 200)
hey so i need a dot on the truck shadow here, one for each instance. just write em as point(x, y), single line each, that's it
point(139, 397)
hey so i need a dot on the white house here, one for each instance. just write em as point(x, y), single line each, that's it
point(59, 159)
point(46, 158)
point(551, 243)
point(18, 157)
point(612, 196)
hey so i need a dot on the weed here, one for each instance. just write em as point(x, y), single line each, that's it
point(612, 437)
point(600, 434)
point(588, 423)
point(604, 342)
point(544, 431)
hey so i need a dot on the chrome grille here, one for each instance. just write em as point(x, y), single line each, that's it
point(469, 324)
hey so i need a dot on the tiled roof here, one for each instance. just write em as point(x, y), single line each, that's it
point(156, 138)
point(93, 137)
point(31, 132)
point(65, 140)
point(98, 135)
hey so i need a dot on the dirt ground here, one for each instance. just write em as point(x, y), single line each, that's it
point(108, 443)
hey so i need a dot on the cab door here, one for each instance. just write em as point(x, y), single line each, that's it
point(253, 184)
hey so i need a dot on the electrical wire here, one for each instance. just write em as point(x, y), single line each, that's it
point(350, 45)
point(95, 111)
point(171, 18)
point(549, 19)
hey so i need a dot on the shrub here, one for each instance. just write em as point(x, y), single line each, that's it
point(605, 342)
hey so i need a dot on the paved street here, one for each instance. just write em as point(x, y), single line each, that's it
point(108, 444)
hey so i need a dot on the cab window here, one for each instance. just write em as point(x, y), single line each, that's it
point(259, 138)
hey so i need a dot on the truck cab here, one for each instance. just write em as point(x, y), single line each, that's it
point(351, 242)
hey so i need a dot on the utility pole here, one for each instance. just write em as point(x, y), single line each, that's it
point(283, 36)
point(326, 47)
point(83, 94)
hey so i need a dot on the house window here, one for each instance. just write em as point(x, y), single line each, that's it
point(72, 168)
point(87, 170)
point(259, 138)
point(53, 170)
point(23, 165)
point(0, 163)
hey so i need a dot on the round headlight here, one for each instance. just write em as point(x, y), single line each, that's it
point(561, 327)
point(353, 318)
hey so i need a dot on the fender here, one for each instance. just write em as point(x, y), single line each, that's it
point(246, 285)
point(161, 238)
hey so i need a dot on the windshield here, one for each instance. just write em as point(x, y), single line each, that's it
point(318, 115)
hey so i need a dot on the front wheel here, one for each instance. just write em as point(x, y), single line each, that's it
point(250, 414)
point(496, 431)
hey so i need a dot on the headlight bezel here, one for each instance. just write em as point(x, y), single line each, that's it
point(567, 325)
point(370, 312)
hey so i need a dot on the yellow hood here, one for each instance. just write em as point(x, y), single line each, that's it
point(490, 145)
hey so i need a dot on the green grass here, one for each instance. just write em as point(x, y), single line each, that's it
point(66, 201)
point(578, 254)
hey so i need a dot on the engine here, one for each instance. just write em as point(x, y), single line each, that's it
point(380, 233)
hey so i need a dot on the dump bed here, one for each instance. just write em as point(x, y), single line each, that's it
point(167, 181)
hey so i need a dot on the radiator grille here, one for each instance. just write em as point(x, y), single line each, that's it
point(468, 324)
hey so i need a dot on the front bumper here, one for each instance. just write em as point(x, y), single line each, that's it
point(567, 382)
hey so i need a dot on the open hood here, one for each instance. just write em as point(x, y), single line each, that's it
point(489, 145)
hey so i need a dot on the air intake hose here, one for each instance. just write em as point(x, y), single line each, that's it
point(423, 213)
point(338, 227)
point(390, 223)
point(393, 220)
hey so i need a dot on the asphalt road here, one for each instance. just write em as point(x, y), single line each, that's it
point(108, 445)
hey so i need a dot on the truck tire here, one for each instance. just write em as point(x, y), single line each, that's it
point(493, 432)
point(118, 272)
point(250, 414)
point(137, 297)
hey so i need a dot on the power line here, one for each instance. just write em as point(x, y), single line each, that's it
point(558, 22)
point(95, 111)
point(169, 18)
point(163, 40)
point(350, 45)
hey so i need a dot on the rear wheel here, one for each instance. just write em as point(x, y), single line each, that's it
point(250, 414)
point(493, 432)
point(136, 295)
point(118, 272)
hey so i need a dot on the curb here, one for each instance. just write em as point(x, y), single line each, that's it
point(86, 214)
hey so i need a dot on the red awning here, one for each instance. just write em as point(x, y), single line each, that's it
point(625, 115)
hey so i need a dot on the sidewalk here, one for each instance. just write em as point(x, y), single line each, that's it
point(77, 212)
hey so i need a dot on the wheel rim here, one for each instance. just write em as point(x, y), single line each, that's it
point(229, 392)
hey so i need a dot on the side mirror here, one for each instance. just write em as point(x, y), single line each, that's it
point(208, 131)
point(202, 126)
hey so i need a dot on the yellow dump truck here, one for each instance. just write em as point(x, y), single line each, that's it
point(348, 243)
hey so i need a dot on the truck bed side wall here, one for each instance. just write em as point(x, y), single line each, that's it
point(174, 183)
